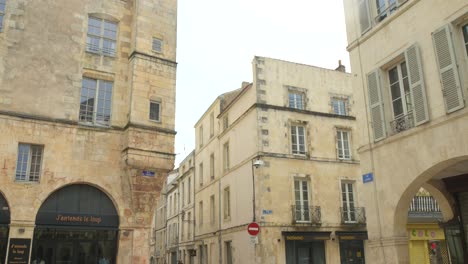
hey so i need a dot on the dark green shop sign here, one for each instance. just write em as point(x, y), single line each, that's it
point(77, 219)
point(18, 251)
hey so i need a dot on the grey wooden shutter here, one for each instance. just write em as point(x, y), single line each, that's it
point(376, 105)
point(364, 15)
point(416, 83)
point(446, 62)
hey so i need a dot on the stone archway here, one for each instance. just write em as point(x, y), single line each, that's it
point(4, 230)
point(76, 224)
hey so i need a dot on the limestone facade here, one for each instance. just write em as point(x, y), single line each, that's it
point(271, 152)
point(409, 61)
point(104, 137)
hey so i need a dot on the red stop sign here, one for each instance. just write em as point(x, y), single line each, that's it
point(253, 229)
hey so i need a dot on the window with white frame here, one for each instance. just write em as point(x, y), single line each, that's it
point(465, 37)
point(155, 111)
point(339, 106)
point(385, 8)
point(2, 13)
point(227, 202)
point(212, 209)
point(343, 146)
point(102, 36)
point(96, 102)
point(28, 163)
point(157, 45)
point(298, 139)
point(399, 90)
point(301, 197)
point(296, 100)
point(347, 202)
point(200, 173)
point(226, 158)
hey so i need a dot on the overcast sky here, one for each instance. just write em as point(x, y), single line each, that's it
point(218, 39)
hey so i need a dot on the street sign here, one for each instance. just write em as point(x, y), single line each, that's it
point(253, 229)
point(367, 177)
point(254, 240)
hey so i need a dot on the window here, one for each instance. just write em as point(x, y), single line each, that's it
point(385, 8)
point(298, 139)
point(2, 13)
point(347, 195)
point(226, 156)
point(189, 192)
point(102, 36)
point(211, 124)
point(212, 166)
point(200, 213)
point(339, 106)
point(465, 36)
point(342, 138)
point(225, 122)
point(189, 229)
point(301, 197)
point(157, 45)
point(28, 164)
point(212, 209)
point(227, 202)
point(228, 245)
point(155, 111)
point(183, 192)
point(200, 136)
point(200, 172)
point(296, 100)
point(96, 102)
point(400, 91)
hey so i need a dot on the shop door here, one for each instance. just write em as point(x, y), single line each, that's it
point(312, 252)
point(352, 252)
point(3, 243)
point(173, 258)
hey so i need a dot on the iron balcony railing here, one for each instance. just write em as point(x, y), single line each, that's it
point(424, 207)
point(402, 123)
point(307, 214)
point(101, 51)
point(353, 215)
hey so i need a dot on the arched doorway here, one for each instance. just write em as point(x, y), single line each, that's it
point(77, 224)
point(4, 222)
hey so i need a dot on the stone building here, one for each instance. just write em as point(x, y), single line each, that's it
point(409, 60)
point(280, 152)
point(87, 91)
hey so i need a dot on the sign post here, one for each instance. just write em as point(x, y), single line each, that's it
point(253, 229)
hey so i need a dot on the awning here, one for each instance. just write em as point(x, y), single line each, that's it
point(352, 235)
point(305, 236)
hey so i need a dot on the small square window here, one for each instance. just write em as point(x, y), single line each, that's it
point(157, 45)
point(28, 164)
point(155, 111)
point(339, 106)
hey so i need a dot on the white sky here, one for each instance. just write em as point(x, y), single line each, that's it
point(217, 41)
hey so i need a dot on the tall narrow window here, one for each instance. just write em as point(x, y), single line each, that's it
point(401, 97)
point(226, 156)
point(339, 106)
point(228, 252)
point(296, 100)
point(2, 13)
point(227, 202)
point(28, 164)
point(155, 111)
point(200, 136)
point(212, 166)
point(302, 205)
point(189, 229)
point(465, 37)
point(211, 124)
point(212, 209)
point(183, 194)
point(102, 36)
point(343, 149)
point(225, 122)
point(298, 139)
point(348, 208)
point(189, 191)
point(200, 173)
point(96, 102)
point(200, 213)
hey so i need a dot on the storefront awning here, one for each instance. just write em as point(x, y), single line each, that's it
point(351, 235)
point(306, 236)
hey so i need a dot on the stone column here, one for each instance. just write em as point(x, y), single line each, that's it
point(391, 250)
point(21, 230)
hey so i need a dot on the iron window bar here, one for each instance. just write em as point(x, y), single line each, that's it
point(402, 123)
point(353, 215)
point(307, 214)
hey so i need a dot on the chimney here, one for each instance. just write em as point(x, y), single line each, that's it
point(244, 84)
point(341, 67)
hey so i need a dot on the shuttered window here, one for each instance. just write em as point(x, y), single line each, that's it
point(416, 84)
point(364, 16)
point(446, 62)
point(376, 105)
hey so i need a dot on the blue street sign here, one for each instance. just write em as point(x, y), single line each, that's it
point(148, 173)
point(368, 177)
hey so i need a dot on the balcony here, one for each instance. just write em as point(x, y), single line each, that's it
point(307, 215)
point(353, 215)
point(424, 209)
point(402, 123)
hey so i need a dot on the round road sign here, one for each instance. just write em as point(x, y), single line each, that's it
point(253, 229)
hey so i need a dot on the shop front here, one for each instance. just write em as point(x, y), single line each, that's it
point(4, 223)
point(352, 246)
point(427, 244)
point(77, 224)
point(305, 247)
